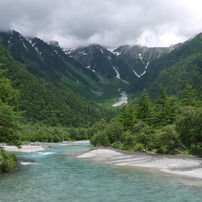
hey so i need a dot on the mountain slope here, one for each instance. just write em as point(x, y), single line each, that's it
point(46, 60)
point(50, 60)
point(103, 62)
point(175, 69)
point(46, 100)
point(138, 58)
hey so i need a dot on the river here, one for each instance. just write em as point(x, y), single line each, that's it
point(57, 175)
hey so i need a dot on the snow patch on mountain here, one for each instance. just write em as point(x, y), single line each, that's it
point(147, 65)
point(116, 53)
point(56, 52)
point(68, 52)
point(140, 56)
point(25, 46)
point(83, 53)
point(111, 49)
point(117, 73)
point(136, 73)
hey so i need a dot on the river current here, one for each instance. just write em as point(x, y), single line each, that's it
point(57, 175)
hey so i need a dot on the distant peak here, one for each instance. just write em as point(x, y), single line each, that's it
point(54, 43)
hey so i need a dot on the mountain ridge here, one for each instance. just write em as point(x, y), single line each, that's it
point(94, 71)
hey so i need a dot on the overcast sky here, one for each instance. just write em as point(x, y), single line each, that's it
point(107, 22)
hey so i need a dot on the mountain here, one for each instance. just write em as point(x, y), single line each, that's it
point(174, 70)
point(44, 99)
point(138, 58)
point(47, 60)
point(103, 62)
point(125, 62)
point(50, 60)
point(97, 73)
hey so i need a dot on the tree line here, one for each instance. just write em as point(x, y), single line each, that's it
point(166, 125)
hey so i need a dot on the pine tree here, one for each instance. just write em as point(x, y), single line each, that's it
point(165, 108)
point(144, 109)
point(127, 117)
point(188, 96)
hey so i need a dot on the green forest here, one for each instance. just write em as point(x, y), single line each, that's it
point(168, 125)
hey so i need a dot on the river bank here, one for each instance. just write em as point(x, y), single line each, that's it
point(181, 165)
point(187, 166)
point(38, 146)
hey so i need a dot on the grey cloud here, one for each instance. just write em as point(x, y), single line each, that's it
point(110, 23)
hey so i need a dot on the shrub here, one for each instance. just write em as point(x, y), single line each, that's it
point(7, 161)
point(100, 139)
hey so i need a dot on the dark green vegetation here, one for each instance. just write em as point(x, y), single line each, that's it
point(46, 100)
point(168, 125)
point(9, 122)
point(7, 161)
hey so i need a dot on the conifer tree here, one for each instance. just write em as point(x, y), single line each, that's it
point(165, 108)
point(127, 117)
point(145, 109)
point(188, 94)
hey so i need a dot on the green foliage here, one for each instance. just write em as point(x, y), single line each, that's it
point(127, 117)
point(100, 139)
point(9, 115)
point(171, 126)
point(139, 147)
point(43, 133)
point(117, 145)
point(98, 126)
point(44, 98)
point(8, 95)
point(78, 133)
point(166, 140)
point(189, 125)
point(128, 140)
point(145, 111)
point(188, 96)
point(9, 124)
point(143, 133)
point(114, 130)
point(165, 108)
point(7, 161)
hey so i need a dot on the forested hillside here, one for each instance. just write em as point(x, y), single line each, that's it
point(45, 100)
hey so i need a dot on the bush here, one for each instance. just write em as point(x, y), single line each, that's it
point(100, 139)
point(7, 161)
point(117, 145)
point(129, 140)
point(139, 147)
point(167, 140)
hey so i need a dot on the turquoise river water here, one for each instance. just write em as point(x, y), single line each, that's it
point(57, 175)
